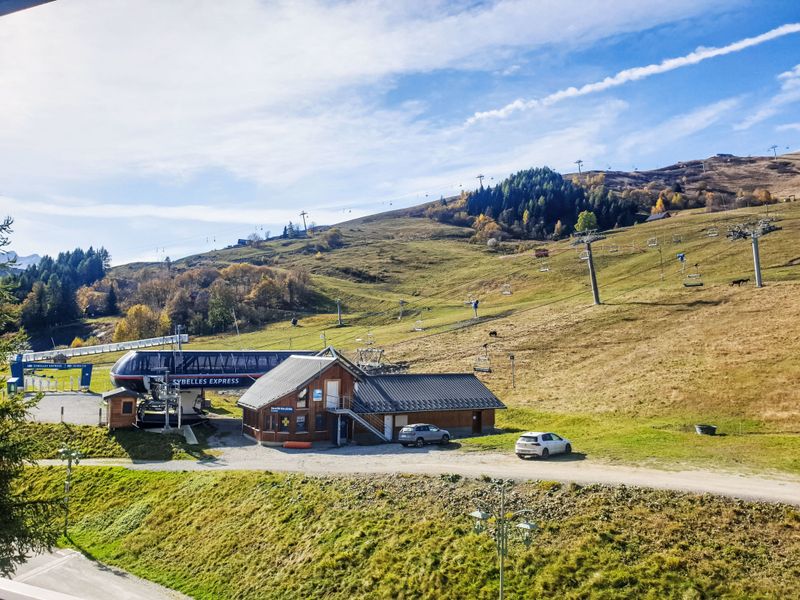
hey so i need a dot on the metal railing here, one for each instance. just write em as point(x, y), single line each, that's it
point(103, 348)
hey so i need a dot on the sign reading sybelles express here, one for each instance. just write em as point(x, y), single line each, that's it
point(226, 381)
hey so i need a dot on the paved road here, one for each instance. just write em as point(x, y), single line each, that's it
point(79, 408)
point(69, 572)
point(433, 460)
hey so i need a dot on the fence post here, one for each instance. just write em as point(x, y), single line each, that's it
point(99, 416)
point(62, 413)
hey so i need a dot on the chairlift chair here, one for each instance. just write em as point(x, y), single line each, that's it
point(694, 279)
point(482, 362)
point(505, 289)
point(584, 255)
point(677, 239)
point(544, 267)
point(652, 242)
point(418, 326)
point(613, 248)
point(712, 232)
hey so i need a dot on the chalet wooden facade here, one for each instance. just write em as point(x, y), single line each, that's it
point(327, 398)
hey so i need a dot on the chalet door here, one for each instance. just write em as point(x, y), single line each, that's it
point(332, 393)
point(388, 426)
point(477, 422)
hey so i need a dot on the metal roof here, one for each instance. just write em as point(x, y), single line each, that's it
point(420, 393)
point(658, 216)
point(120, 391)
point(292, 373)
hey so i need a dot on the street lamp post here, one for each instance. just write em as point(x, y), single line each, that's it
point(502, 523)
point(70, 455)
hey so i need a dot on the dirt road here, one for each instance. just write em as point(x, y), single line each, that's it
point(434, 460)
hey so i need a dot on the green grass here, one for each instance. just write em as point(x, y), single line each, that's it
point(262, 535)
point(667, 442)
point(99, 442)
point(224, 405)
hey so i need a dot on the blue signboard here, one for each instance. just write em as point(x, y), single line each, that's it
point(318, 395)
point(18, 370)
point(281, 409)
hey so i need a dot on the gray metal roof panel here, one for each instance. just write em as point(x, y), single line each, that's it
point(419, 393)
point(289, 375)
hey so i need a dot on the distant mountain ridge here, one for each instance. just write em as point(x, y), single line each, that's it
point(20, 262)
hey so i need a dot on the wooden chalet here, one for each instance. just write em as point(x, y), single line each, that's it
point(328, 398)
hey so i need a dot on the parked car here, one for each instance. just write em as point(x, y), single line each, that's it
point(542, 444)
point(420, 434)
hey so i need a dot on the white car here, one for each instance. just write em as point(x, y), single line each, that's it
point(542, 444)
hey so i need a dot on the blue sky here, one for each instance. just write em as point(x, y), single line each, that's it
point(167, 128)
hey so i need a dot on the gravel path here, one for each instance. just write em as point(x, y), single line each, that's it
point(241, 454)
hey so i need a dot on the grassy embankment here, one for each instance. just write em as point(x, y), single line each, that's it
point(263, 535)
point(625, 380)
point(98, 442)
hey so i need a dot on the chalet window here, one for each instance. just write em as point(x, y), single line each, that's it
point(317, 395)
point(127, 408)
point(302, 398)
point(321, 423)
point(300, 424)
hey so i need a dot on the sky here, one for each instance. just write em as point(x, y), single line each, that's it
point(162, 129)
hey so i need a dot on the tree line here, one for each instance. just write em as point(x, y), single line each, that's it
point(208, 300)
point(49, 291)
point(535, 203)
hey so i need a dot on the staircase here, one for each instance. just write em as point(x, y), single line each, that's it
point(370, 421)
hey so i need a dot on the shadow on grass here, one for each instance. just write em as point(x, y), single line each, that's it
point(692, 304)
point(98, 564)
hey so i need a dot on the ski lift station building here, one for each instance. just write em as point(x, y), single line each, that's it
point(328, 398)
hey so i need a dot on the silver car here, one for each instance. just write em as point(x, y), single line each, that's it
point(420, 434)
point(542, 444)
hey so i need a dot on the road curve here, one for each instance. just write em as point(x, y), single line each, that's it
point(391, 459)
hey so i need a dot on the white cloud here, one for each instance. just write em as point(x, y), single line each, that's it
point(788, 127)
point(635, 74)
point(271, 92)
point(789, 94)
point(212, 213)
point(648, 140)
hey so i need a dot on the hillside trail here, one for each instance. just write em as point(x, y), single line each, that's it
point(390, 459)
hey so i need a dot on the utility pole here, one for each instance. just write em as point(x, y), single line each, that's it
point(339, 312)
point(70, 455)
point(513, 374)
point(774, 149)
point(480, 178)
point(304, 214)
point(324, 339)
point(588, 238)
point(579, 162)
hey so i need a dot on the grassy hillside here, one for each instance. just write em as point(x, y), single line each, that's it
point(263, 535)
point(626, 380)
